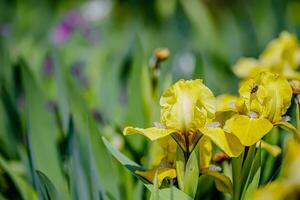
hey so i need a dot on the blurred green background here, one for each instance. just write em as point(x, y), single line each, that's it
point(74, 71)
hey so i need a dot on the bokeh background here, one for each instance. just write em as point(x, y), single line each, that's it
point(72, 72)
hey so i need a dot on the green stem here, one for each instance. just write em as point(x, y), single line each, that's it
point(241, 167)
point(187, 147)
point(236, 173)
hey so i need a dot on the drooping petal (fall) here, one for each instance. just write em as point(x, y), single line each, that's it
point(248, 130)
point(151, 133)
point(162, 173)
point(289, 127)
point(205, 152)
point(274, 150)
point(229, 143)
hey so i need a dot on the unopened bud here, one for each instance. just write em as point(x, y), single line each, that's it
point(161, 53)
point(295, 84)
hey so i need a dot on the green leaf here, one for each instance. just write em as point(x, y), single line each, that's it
point(252, 186)
point(169, 193)
point(200, 16)
point(98, 153)
point(63, 104)
point(247, 164)
point(244, 169)
point(191, 175)
point(253, 173)
point(136, 97)
point(42, 133)
point(223, 182)
point(236, 175)
point(187, 172)
point(205, 187)
point(25, 189)
point(268, 161)
point(129, 164)
point(155, 191)
point(49, 191)
point(180, 166)
point(78, 175)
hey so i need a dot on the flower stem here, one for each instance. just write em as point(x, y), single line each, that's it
point(187, 147)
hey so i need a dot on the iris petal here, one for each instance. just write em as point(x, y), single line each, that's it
point(151, 133)
point(248, 130)
point(229, 143)
point(162, 173)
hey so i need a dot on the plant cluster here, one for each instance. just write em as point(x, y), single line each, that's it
point(227, 137)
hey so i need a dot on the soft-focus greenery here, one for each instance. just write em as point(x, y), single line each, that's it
point(72, 72)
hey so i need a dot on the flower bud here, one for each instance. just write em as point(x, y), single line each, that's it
point(161, 53)
point(295, 84)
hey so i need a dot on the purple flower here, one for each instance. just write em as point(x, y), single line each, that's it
point(64, 29)
point(61, 34)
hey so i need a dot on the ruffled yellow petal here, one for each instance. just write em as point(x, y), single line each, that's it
point(205, 152)
point(186, 105)
point(253, 96)
point(247, 67)
point(225, 141)
point(248, 130)
point(280, 93)
point(282, 51)
point(162, 173)
point(151, 133)
point(267, 94)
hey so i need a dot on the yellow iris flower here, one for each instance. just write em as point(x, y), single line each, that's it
point(187, 113)
point(281, 56)
point(263, 101)
point(289, 185)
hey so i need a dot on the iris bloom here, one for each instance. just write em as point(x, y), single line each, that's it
point(187, 114)
point(281, 56)
point(289, 185)
point(263, 102)
point(226, 108)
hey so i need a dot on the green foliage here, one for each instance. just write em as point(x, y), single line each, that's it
point(63, 104)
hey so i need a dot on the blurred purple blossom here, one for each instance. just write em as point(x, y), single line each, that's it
point(77, 71)
point(71, 21)
point(64, 29)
